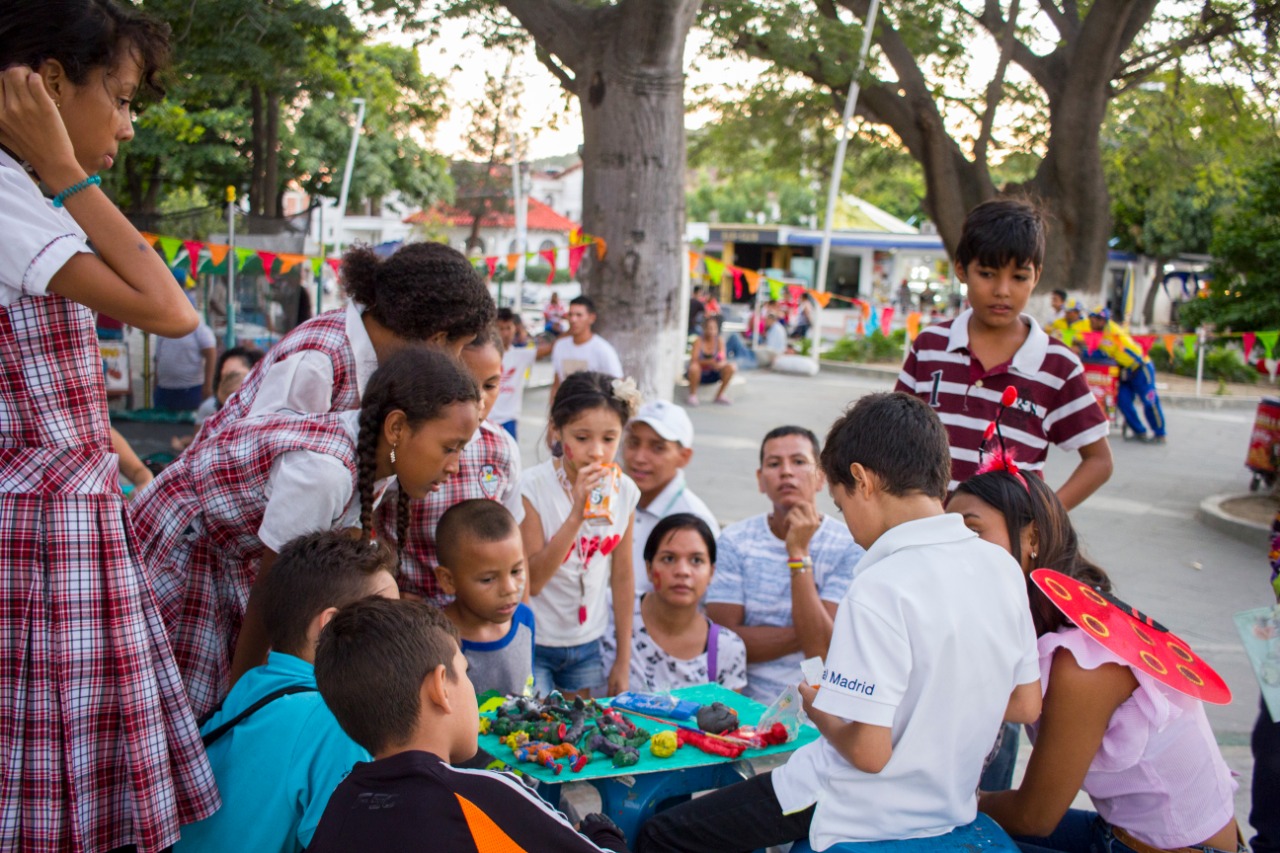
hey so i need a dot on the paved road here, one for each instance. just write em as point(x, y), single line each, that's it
point(1140, 526)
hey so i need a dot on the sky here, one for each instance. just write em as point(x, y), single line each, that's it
point(552, 125)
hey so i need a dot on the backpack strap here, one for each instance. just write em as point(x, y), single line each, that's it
point(713, 636)
point(230, 724)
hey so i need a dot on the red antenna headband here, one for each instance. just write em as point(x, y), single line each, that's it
point(999, 459)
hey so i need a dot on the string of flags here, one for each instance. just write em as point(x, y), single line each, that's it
point(1248, 340)
point(200, 256)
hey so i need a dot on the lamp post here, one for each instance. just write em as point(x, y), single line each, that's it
point(346, 177)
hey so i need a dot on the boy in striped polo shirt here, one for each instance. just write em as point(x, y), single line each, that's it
point(962, 367)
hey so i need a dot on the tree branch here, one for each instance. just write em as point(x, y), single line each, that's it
point(569, 83)
point(557, 27)
point(1041, 68)
point(995, 89)
point(1063, 23)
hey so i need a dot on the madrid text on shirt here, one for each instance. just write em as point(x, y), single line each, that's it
point(835, 679)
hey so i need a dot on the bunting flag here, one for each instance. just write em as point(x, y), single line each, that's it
point(715, 270)
point(575, 236)
point(694, 257)
point(575, 259)
point(150, 238)
point(601, 247)
point(753, 281)
point(775, 288)
point(1169, 342)
point(169, 247)
point(268, 261)
point(193, 248)
point(288, 261)
point(886, 320)
point(1268, 341)
point(550, 256)
point(492, 265)
point(334, 264)
point(1068, 335)
point(873, 321)
point(1189, 343)
point(737, 282)
point(913, 325)
point(821, 297)
point(316, 264)
point(1091, 340)
point(1146, 342)
point(1249, 339)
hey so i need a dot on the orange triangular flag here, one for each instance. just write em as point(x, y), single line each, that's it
point(1169, 341)
point(601, 248)
point(217, 252)
point(513, 260)
point(694, 257)
point(289, 261)
point(753, 281)
point(821, 297)
point(150, 238)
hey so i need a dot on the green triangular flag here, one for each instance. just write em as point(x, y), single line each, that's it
point(1068, 335)
point(316, 263)
point(169, 247)
point(1268, 340)
point(715, 269)
point(775, 288)
point(1189, 343)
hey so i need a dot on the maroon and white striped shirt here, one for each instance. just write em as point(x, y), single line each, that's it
point(1055, 405)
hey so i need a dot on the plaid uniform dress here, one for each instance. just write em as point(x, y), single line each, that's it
point(326, 333)
point(484, 471)
point(98, 748)
point(197, 526)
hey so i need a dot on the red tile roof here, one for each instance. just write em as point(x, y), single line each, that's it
point(540, 218)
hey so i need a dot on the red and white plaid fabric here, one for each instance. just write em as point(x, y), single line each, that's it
point(98, 747)
point(197, 527)
point(484, 471)
point(326, 333)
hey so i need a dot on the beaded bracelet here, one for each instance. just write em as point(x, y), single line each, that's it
point(91, 181)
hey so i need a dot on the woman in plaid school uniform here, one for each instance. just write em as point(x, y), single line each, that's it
point(212, 523)
point(98, 748)
point(424, 293)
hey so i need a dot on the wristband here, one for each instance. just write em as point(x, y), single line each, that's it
point(91, 181)
point(799, 567)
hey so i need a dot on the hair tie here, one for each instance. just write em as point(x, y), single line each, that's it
point(625, 389)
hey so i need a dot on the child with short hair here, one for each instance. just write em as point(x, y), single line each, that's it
point(275, 747)
point(932, 649)
point(571, 561)
point(1143, 752)
point(423, 720)
point(488, 468)
point(962, 367)
point(673, 643)
point(708, 363)
point(517, 358)
point(482, 567)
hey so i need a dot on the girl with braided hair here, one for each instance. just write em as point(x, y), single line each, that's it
point(424, 293)
point(212, 523)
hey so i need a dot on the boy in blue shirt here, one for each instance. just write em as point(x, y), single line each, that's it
point(276, 750)
point(482, 566)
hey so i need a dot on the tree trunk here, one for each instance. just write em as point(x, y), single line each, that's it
point(1153, 290)
point(271, 168)
point(257, 147)
point(628, 73)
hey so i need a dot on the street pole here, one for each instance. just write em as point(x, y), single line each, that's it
point(842, 143)
point(320, 273)
point(346, 177)
point(231, 267)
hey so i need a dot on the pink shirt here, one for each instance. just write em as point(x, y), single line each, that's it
point(1158, 773)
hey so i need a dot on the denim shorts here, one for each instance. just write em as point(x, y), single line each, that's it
point(567, 667)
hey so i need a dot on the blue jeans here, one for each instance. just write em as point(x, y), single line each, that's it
point(998, 775)
point(981, 835)
point(1140, 384)
point(1265, 815)
point(567, 668)
point(1081, 831)
point(179, 399)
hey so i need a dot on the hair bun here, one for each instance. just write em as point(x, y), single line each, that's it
point(359, 274)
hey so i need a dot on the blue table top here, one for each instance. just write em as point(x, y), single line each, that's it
point(600, 767)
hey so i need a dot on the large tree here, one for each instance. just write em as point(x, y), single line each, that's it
point(1056, 65)
point(624, 62)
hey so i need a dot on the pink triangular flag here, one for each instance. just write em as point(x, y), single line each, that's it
point(1249, 339)
point(737, 282)
point(335, 263)
point(492, 265)
point(268, 261)
point(575, 259)
point(193, 248)
point(1146, 342)
point(886, 317)
point(550, 256)
point(1091, 340)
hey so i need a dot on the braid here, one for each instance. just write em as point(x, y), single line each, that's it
point(402, 524)
point(367, 466)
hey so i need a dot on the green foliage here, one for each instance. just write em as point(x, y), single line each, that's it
point(1245, 292)
point(1222, 363)
point(868, 348)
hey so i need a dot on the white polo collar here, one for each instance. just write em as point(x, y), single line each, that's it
point(663, 502)
point(934, 530)
point(361, 347)
point(1026, 360)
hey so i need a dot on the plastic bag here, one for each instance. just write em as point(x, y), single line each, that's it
point(786, 709)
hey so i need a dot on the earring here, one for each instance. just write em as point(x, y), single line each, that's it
point(393, 455)
point(1033, 555)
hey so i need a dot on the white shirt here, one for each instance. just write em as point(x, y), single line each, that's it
point(510, 496)
point(931, 639)
point(596, 354)
point(308, 491)
point(180, 361)
point(675, 497)
point(304, 382)
point(516, 362)
point(578, 582)
point(775, 339)
point(38, 238)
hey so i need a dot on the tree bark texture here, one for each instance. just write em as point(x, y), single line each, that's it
point(625, 64)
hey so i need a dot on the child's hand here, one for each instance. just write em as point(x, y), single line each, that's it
point(807, 694)
point(32, 128)
point(619, 678)
point(588, 478)
point(803, 522)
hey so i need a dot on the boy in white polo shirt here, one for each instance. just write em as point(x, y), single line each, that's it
point(931, 651)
